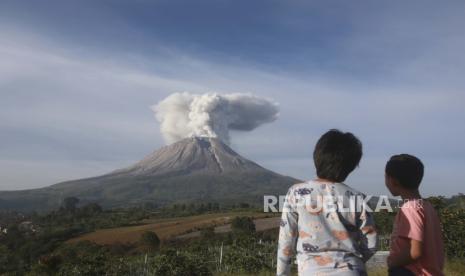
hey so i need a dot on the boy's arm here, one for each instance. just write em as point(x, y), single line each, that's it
point(407, 256)
point(369, 242)
point(287, 235)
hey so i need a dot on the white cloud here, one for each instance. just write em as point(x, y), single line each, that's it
point(98, 108)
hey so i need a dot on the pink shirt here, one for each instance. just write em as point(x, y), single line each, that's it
point(418, 220)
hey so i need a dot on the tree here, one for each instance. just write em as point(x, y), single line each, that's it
point(48, 264)
point(82, 258)
point(201, 208)
point(70, 203)
point(453, 230)
point(438, 202)
point(4, 256)
point(243, 225)
point(91, 209)
point(150, 240)
point(244, 205)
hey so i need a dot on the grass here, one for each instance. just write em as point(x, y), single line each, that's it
point(381, 271)
point(453, 267)
point(262, 273)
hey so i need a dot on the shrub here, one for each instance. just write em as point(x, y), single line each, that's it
point(179, 263)
point(453, 229)
point(244, 260)
point(243, 225)
point(150, 240)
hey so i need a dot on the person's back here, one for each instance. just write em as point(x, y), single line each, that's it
point(333, 241)
point(418, 220)
point(416, 241)
point(319, 223)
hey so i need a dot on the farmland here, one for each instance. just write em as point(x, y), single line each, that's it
point(169, 228)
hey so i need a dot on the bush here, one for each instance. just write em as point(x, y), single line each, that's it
point(453, 229)
point(242, 259)
point(150, 240)
point(243, 225)
point(4, 253)
point(174, 263)
point(82, 258)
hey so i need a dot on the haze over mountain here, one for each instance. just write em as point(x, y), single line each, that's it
point(192, 169)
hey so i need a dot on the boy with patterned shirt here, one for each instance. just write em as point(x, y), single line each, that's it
point(324, 221)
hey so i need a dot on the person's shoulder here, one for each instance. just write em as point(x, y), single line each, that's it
point(413, 204)
point(414, 208)
point(429, 208)
point(301, 184)
point(301, 188)
point(350, 191)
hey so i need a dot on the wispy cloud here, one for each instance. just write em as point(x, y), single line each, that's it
point(393, 79)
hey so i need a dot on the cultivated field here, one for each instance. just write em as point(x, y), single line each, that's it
point(173, 227)
point(261, 224)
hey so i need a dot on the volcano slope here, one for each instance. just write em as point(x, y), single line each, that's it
point(195, 169)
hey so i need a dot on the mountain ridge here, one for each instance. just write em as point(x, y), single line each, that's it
point(192, 169)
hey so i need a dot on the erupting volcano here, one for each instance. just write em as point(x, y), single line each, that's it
point(199, 166)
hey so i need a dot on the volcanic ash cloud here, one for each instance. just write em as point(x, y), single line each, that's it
point(184, 115)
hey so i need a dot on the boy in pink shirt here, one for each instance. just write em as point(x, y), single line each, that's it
point(416, 240)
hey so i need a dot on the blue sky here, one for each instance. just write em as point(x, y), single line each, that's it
point(77, 79)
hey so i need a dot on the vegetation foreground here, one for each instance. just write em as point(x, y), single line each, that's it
point(87, 240)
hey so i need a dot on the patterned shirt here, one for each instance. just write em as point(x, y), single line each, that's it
point(329, 227)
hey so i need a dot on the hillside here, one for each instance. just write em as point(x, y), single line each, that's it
point(189, 170)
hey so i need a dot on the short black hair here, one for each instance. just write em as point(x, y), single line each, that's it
point(336, 155)
point(407, 169)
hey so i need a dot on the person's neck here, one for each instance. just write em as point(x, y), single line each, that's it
point(410, 195)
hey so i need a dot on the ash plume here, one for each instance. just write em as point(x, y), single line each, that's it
point(184, 115)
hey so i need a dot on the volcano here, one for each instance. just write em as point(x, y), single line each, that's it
point(192, 156)
point(195, 169)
